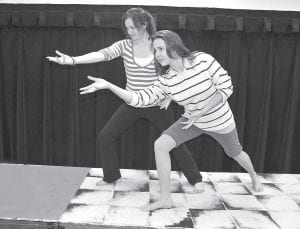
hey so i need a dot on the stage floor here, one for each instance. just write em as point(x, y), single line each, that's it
point(66, 197)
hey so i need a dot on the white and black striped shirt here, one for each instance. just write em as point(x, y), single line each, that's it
point(138, 77)
point(193, 89)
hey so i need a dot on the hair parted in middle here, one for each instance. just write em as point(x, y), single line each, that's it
point(174, 47)
point(140, 17)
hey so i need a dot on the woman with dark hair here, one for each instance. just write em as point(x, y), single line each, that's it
point(138, 60)
point(198, 83)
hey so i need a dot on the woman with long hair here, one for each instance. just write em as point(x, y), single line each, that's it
point(196, 81)
point(138, 59)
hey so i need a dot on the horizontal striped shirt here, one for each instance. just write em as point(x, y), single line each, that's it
point(137, 77)
point(201, 79)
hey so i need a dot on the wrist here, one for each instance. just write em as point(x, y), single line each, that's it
point(73, 63)
point(109, 85)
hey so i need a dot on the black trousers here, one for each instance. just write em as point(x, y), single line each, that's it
point(125, 117)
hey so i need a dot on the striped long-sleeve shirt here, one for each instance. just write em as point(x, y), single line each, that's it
point(137, 77)
point(193, 89)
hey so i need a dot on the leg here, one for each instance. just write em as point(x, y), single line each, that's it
point(122, 119)
point(162, 147)
point(162, 120)
point(244, 160)
point(233, 148)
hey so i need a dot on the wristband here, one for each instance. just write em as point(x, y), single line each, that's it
point(73, 61)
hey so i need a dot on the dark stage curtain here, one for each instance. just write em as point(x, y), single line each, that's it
point(44, 120)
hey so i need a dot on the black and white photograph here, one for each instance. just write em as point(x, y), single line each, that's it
point(149, 114)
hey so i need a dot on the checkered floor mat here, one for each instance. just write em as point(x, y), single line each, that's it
point(227, 202)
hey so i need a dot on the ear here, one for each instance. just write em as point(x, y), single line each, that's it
point(174, 54)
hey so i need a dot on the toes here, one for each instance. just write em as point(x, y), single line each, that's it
point(101, 183)
point(199, 187)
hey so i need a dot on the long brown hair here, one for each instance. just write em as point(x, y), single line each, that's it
point(139, 17)
point(174, 44)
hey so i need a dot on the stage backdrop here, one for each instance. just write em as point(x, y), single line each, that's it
point(44, 120)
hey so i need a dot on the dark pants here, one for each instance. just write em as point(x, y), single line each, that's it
point(125, 117)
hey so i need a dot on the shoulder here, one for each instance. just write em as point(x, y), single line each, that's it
point(124, 42)
point(202, 57)
point(198, 60)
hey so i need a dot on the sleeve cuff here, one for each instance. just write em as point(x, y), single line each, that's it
point(134, 100)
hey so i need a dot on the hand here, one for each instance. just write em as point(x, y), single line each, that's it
point(165, 103)
point(62, 58)
point(97, 85)
point(191, 119)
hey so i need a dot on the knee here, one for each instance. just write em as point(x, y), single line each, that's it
point(234, 150)
point(164, 144)
point(234, 154)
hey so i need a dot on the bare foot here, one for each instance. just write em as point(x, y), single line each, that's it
point(257, 186)
point(160, 204)
point(199, 187)
point(102, 182)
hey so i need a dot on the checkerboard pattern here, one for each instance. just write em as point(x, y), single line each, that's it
point(228, 201)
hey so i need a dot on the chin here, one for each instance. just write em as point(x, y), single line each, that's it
point(162, 64)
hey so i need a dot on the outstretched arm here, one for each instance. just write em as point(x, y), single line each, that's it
point(150, 96)
point(105, 54)
point(65, 59)
point(100, 84)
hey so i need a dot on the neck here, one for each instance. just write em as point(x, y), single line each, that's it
point(177, 65)
point(144, 39)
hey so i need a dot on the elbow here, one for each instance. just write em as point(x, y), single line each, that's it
point(133, 100)
point(224, 95)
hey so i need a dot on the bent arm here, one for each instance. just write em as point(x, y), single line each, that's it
point(220, 79)
point(216, 100)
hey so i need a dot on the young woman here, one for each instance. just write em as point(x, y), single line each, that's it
point(198, 83)
point(138, 60)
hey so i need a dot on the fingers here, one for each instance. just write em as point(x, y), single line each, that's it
point(50, 58)
point(59, 53)
point(86, 88)
point(60, 59)
point(185, 116)
point(89, 89)
point(87, 92)
point(187, 124)
point(163, 107)
point(92, 78)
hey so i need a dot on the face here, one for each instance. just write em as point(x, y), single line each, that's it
point(132, 31)
point(160, 52)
